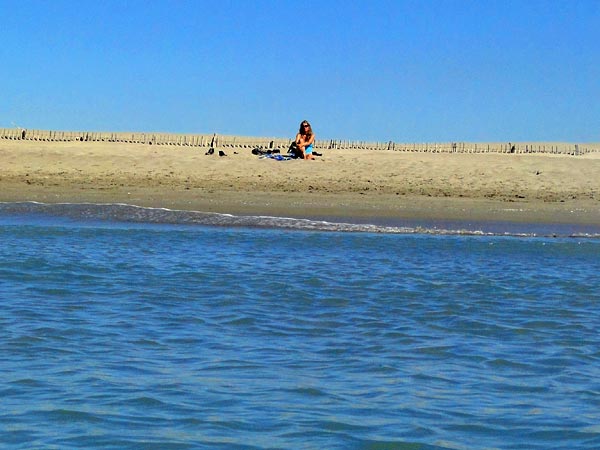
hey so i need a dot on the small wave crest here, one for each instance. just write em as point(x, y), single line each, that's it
point(119, 212)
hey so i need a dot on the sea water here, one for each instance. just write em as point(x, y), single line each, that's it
point(130, 328)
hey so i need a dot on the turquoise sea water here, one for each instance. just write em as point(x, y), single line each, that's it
point(118, 330)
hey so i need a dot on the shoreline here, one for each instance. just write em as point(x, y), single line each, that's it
point(361, 185)
point(414, 211)
point(18, 213)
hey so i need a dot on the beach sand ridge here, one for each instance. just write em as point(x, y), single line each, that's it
point(341, 183)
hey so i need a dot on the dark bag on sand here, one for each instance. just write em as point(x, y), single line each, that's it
point(294, 151)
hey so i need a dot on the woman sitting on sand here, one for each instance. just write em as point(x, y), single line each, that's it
point(305, 139)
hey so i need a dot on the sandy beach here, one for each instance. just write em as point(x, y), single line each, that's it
point(367, 185)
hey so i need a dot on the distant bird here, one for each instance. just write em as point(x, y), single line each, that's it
point(222, 153)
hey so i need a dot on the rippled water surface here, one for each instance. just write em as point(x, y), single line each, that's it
point(120, 335)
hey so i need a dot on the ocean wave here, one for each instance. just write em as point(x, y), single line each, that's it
point(126, 213)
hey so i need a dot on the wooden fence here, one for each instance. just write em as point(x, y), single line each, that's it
point(223, 141)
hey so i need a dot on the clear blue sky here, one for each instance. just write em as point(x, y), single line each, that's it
point(404, 70)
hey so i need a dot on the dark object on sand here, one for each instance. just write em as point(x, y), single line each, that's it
point(210, 151)
point(294, 151)
point(222, 153)
point(260, 151)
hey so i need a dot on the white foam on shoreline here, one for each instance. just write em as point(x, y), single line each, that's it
point(128, 213)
